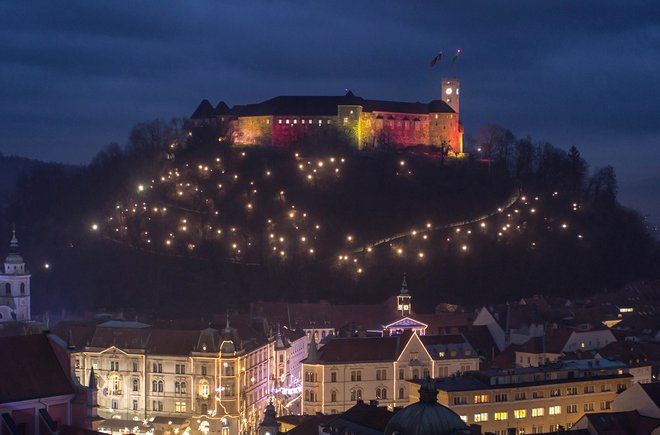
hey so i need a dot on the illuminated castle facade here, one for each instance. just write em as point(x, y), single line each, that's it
point(366, 124)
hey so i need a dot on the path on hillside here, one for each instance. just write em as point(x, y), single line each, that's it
point(508, 204)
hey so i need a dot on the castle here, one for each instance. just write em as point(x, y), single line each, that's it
point(365, 124)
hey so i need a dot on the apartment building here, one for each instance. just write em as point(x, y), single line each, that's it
point(533, 399)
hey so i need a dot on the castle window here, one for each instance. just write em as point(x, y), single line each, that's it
point(287, 121)
point(136, 385)
point(328, 122)
point(268, 121)
point(346, 120)
point(302, 121)
point(22, 288)
point(8, 289)
point(279, 121)
point(309, 121)
point(295, 121)
point(320, 122)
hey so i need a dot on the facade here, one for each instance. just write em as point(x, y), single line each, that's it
point(14, 286)
point(533, 400)
point(223, 377)
point(366, 124)
point(346, 370)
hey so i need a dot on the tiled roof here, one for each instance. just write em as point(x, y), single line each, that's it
point(367, 416)
point(622, 423)
point(653, 391)
point(29, 369)
point(204, 111)
point(363, 349)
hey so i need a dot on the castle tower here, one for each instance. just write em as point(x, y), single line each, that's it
point(451, 92)
point(14, 286)
point(403, 300)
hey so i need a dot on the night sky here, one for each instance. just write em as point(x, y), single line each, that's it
point(76, 75)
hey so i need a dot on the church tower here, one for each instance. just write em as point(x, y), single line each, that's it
point(14, 286)
point(451, 92)
point(269, 425)
point(403, 300)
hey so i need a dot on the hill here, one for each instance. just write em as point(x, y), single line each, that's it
point(179, 224)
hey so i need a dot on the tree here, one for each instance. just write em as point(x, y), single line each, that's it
point(603, 185)
point(577, 171)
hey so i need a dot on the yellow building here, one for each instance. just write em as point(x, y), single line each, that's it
point(346, 370)
point(215, 377)
point(535, 399)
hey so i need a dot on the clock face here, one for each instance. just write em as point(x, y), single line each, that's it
point(448, 91)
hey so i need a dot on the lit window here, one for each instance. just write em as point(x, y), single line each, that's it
point(482, 416)
point(295, 121)
point(519, 413)
point(554, 410)
point(500, 416)
point(287, 121)
point(279, 121)
point(345, 120)
point(538, 412)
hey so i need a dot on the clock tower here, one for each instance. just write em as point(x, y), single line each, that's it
point(451, 91)
point(14, 286)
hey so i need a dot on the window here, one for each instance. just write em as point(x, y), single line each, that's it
point(345, 120)
point(572, 391)
point(8, 289)
point(281, 358)
point(115, 404)
point(554, 427)
point(605, 388)
point(333, 396)
point(180, 369)
point(114, 366)
point(501, 397)
point(571, 409)
point(460, 400)
point(203, 370)
point(402, 393)
point(356, 375)
point(588, 389)
point(519, 413)
point(537, 412)
point(414, 356)
point(157, 405)
point(554, 410)
point(157, 367)
point(184, 388)
point(204, 389)
point(177, 388)
point(425, 373)
point(333, 376)
point(443, 371)
point(180, 406)
point(537, 395)
point(501, 416)
point(136, 385)
point(481, 398)
point(381, 375)
point(135, 405)
point(589, 407)
point(154, 386)
point(135, 366)
point(356, 394)
point(77, 363)
point(521, 396)
point(22, 288)
point(606, 405)
point(555, 393)
point(415, 373)
point(160, 386)
point(401, 373)
point(482, 416)
point(620, 387)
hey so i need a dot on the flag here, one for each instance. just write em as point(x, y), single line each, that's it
point(436, 59)
point(455, 58)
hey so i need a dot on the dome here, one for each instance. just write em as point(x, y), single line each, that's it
point(426, 417)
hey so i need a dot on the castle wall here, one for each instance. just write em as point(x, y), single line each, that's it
point(254, 130)
point(444, 129)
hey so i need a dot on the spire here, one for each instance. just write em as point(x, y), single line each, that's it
point(428, 393)
point(92, 380)
point(404, 285)
point(313, 354)
point(14, 256)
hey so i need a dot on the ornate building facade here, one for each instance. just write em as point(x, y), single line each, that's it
point(222, 377)
point(365, 124)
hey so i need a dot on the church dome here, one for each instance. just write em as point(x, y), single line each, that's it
point(426, 417)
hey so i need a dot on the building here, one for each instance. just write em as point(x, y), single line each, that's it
point(533, 399)
point(366, 124)
point(644, 398)
point(617, 423)
point(37, 393)
point(14, 286)
point(223, 376)
point(346, 370)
